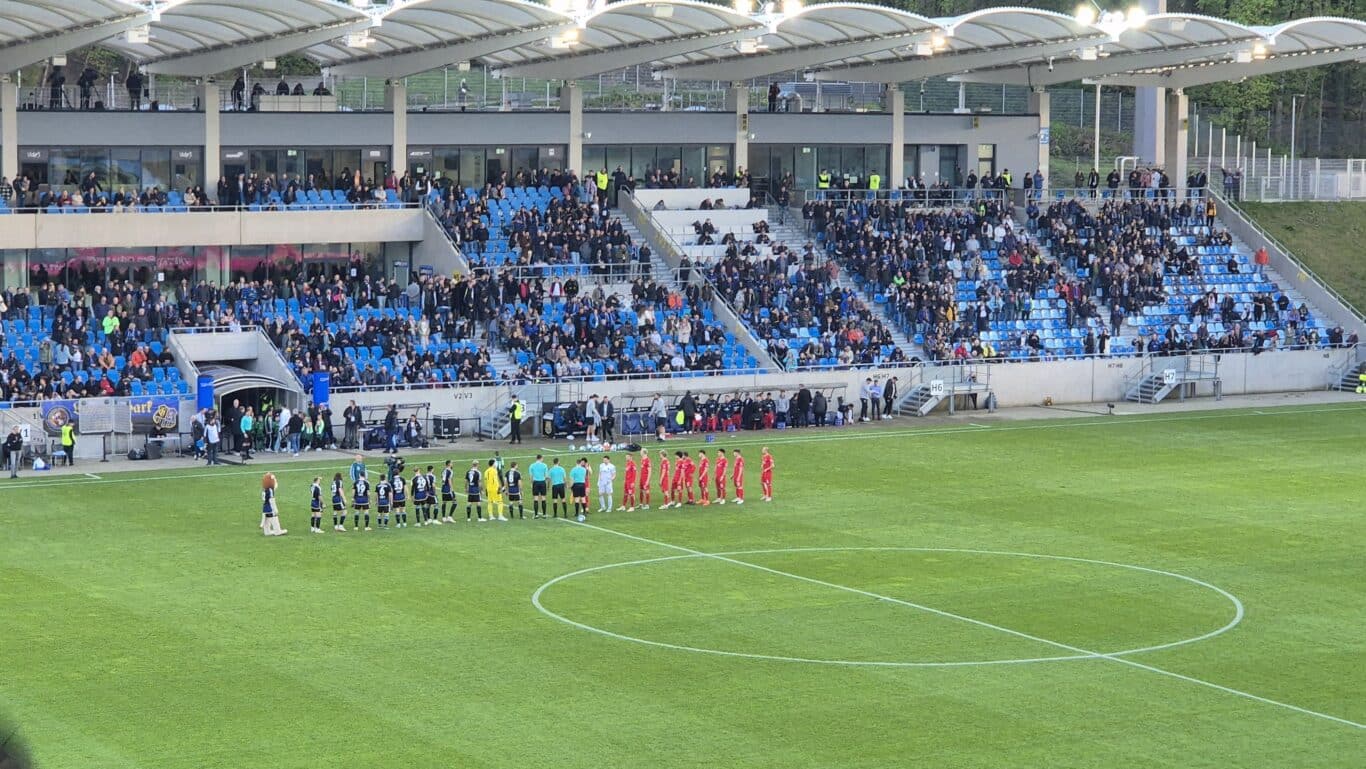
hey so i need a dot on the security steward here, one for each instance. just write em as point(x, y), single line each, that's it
point(516, 411)
point(69, 443)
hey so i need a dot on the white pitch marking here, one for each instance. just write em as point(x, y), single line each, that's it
point(1238, 611)
point(988, 625)
point(803, 437)
point(92, 475)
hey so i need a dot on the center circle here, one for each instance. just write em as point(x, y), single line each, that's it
point(1071, 652)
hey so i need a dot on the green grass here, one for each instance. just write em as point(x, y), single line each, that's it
point(148, 624)
point(1325, 236)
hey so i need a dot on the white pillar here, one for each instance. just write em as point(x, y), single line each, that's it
point(213, 143)
point(738, 98)
point(896, 175)
point(396, 101)
point(571, 101)
point(962, 99)
point(9, 127)
point(1175, 135)
point(1039, 102)
point(1149, 108)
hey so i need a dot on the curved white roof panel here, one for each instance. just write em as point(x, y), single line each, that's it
point(567, 39)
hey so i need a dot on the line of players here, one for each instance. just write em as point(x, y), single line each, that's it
point(502, 488)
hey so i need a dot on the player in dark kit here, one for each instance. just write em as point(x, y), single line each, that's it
point(431, 496)
point(473, 479)
point(448, 502)
point(383, 495)
point(512, 482)
point(360, 500)
point(400, 501)
point(315, 505)
point(420, 493)
point(338, 504)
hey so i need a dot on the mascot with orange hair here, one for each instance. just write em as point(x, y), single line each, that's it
point(270, 514)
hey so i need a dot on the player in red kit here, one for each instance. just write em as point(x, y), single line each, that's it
point(644, 479)
point(720, 476)
point(704, 477)
point(628, 486)
point(665, 482)
point(689, 469)
point(737, 476)
point(766, 475)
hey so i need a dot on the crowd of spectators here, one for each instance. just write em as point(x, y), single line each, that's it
point(795, 307)
point(914, 259)
point(557, 332)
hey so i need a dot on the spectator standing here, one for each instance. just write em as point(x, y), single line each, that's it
point(888, 395)
point(133, 84)
point(391, 430)
point(211, 438)
point(351, 418)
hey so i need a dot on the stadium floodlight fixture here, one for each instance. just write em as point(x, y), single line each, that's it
point(792, 7)
point(923, 49)
point(744, 7)
point(939, 41)
point(1086, 14)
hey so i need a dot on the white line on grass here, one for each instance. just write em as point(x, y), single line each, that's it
point(722, 441)
point(92, 475)
point(1232, 623)
point(979, 623)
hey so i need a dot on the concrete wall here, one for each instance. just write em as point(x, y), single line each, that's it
point(225, 346)
point(218, 228)
point(436, 249)
point(1015, 384)
point(690, 199)
point(726, 221)
point(114, 129)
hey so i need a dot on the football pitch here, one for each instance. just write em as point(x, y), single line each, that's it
point(1163, 590)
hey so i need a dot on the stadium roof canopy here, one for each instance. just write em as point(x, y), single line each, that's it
point(680, 39)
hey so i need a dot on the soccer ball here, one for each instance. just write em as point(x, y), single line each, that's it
point(581, 518)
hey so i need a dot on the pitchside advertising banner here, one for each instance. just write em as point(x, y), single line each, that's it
point(153, 411)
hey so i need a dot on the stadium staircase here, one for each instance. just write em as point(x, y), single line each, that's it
point(793, 233)
point(1160, 377)
point(960, 382)
point(1350, 378)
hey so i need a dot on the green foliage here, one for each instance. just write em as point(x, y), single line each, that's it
point(1327, 237)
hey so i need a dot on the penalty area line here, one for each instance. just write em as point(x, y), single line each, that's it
point(978, 623)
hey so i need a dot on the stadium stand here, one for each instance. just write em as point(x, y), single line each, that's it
point(791, 302)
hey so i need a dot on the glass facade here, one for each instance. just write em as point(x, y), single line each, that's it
point(143, 266)
point(326, 164)
point(851, 161)
point(695, 162)
point(475, 166)
point(115, 168)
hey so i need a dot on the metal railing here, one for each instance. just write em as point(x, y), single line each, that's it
point(1289, 255)
point(944, 197)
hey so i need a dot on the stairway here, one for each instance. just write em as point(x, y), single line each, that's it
point(1350, 379)
point(1151, 389)
point(918, 402)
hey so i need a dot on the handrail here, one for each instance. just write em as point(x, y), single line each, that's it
point(1289, 255)
point(215, 208)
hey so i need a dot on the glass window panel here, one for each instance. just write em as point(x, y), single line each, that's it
point(692, 166)
point(875, 159)
point(617, 157)
point(594, 158)
point(292, 164)
point(96, 160)
point(524, 163)
point(471, 167)
point(316, 165)
point(642, 162)
point(156, 168)
point(345, 163)
point(718, 159)
point(127, 169)
point(495, 164)
point(64, 168)
point(185, 171)
point(910, 161)
point(552, 158)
